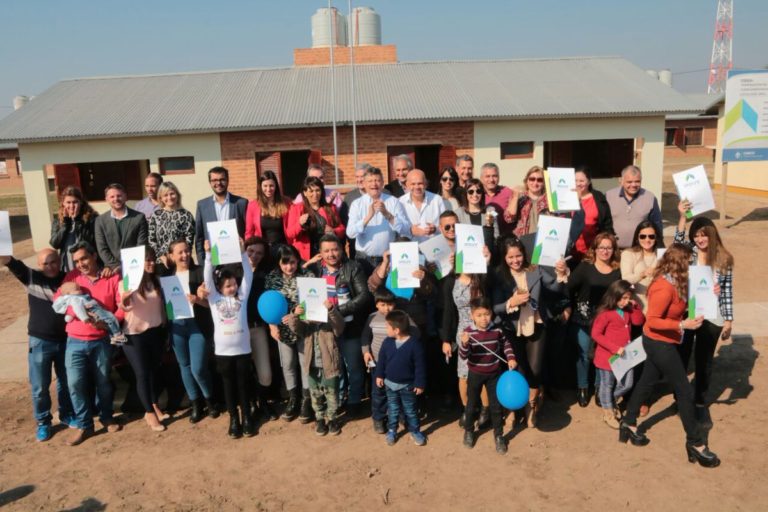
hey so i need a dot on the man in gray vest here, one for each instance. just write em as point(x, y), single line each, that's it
point(631, 204)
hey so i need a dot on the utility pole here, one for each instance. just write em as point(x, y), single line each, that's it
point(722, 48)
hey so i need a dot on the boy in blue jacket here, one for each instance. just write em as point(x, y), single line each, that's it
point(401, 370)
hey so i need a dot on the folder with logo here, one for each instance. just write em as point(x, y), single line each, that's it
point(701, 292)
point(551, 240)
point(132, 265)
point(225, 242)
point(313, 293)
point(175, 291)
point(469, 249)
point(693, 185)
point(560, 183)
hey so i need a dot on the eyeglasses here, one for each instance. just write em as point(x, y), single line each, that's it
point(649, 237)
point(446, 179)
point(448, 227)
point(605, 249)
point(474, 192)
point(221, 180)
point(537, 180)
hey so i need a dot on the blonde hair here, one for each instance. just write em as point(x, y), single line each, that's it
point(532, 170)
point(168, 186)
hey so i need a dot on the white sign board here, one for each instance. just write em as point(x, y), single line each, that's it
point(745, 128)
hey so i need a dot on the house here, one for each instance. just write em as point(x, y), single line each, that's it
point(692, 138)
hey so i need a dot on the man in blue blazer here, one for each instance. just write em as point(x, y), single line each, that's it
point(221, 206)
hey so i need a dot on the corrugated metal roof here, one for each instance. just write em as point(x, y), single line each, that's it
point(300, 96)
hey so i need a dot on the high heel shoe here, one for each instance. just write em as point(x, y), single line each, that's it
point(627, 434)
point(705, 458)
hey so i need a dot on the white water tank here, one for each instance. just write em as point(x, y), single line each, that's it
point(20, 101)
point(325, 32)
point(365, 27)
point(665, 77)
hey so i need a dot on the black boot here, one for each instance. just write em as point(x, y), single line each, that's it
point(268, 412)
point(235, 429)
point(484, 418)
point(249, 426)
point(583, 397)
point(213, 412)
point(292, 409)
point(705, 458)
point(198, 411)
point(463, 418)
point(633, 436)
point(307, 414)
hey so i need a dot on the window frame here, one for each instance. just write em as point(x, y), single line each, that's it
point(161, 162)
point(672, 129)
point(700, 129)
point(506, 156)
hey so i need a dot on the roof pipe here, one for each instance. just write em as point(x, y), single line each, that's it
point(333, 98)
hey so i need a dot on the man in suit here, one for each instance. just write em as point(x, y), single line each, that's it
point(397, 186)
point(221, 206)
point(119, 228)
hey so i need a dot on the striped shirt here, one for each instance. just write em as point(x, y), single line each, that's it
point(482, 349)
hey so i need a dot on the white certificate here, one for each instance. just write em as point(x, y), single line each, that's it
point(132, 264)
point(225, 242)
point(405, 261)
point(693, 185)
point(469, 249)
point(436, 250)
point(633, 355)
point(561, 189)
point(313, 293)
point(6, 244)
point(701, 292)
point(175, 291)
point(551, 240)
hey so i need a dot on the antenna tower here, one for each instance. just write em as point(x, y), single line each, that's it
point(722, 48)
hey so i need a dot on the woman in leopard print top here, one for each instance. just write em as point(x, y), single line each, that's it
point(170, 223)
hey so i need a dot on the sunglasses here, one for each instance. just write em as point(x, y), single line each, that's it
point(537, 180)
point(474, 192)
point(446, 178)
point(649, 237)
point(449, 227)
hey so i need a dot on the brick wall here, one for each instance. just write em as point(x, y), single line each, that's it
point(379, 54)
point(12, 178)
point(238, 149)
point(693, 154)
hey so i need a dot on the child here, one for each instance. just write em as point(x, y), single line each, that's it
point(616, 315)
point(401, 370)
point(322, 365)
point(231, 338)
point(374, 332)
point(87, 310)
point(482, 346)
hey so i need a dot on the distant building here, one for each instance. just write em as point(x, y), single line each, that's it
point(692, 138)
point(10, 168)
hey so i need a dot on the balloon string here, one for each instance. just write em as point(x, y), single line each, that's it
point(488, 350)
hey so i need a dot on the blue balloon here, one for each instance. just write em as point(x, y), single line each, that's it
point(403, 293)
point(512, 390)
point(272, 306)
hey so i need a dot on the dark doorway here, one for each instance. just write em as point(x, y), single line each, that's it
point(426, 158)
point(606, 158)
point(93, 177)
point(289, 166)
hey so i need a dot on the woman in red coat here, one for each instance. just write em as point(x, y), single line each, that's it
point(311, 219)
point(267, 215)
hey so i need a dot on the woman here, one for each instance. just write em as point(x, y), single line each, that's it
point(74, 223)
point(474, 212)
point(517, 301)
point(144, 327)
point(597, 213)
point(311, 219)
point(707, 249)
point(187, 334)
point(662, 332)
point(290, 347)
point(171, 222)
point(258, 257)
point(524, 213)
point(450, 191)
point(639, 261)
point(267, 215)
point(587, 285)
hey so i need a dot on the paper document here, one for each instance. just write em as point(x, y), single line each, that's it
point(551, 240)
point(225, 242)
point(469, 249)
point(313, 293)
point(132, 265)
point(175, 291)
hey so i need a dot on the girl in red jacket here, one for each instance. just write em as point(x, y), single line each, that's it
point(616, 315)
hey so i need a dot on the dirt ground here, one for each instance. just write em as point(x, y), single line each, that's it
point(571, 462)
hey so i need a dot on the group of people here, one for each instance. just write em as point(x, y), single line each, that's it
point(448, 340)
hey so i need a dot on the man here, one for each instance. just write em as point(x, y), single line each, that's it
point(496, 196)
point(464, 167)
point(402, 166)
point(221, 206)
point(119, 228)
point(47, 338)
point(88, 354)
point(375, 219)
point(348, 288)
point(150, 204)
point(422, 208)
point(350, 197)
point(630, 205)
point(331, 196)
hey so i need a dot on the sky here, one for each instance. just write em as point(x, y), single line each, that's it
point(44, 41)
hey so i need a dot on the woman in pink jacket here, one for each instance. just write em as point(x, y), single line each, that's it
point(611, 330)
point(309, 220)
point(267, 215)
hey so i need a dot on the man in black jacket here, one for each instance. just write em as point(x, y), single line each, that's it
point(348, 287)
point(402, 166)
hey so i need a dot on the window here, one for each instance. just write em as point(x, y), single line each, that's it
point(669, 136)
point(3, 169)
point(177, 165)
point(93, 177)
point(510, 150)
point(694, 136)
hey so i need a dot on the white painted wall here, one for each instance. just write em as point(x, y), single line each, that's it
point(490, 134)
point(205, 148)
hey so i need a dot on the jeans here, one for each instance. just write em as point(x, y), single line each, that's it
point(585, 343)
point(89, 363)
point(352, 379)
point(192, 355)
point(403, 400)
point(378, 400)
point(475, 383)
point(43, 355)
point(610, 389)
point(324, 394)
point(702, 342)
point(663, 360)
point(143, 352)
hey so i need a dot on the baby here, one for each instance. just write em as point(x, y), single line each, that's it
point(87, 310)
